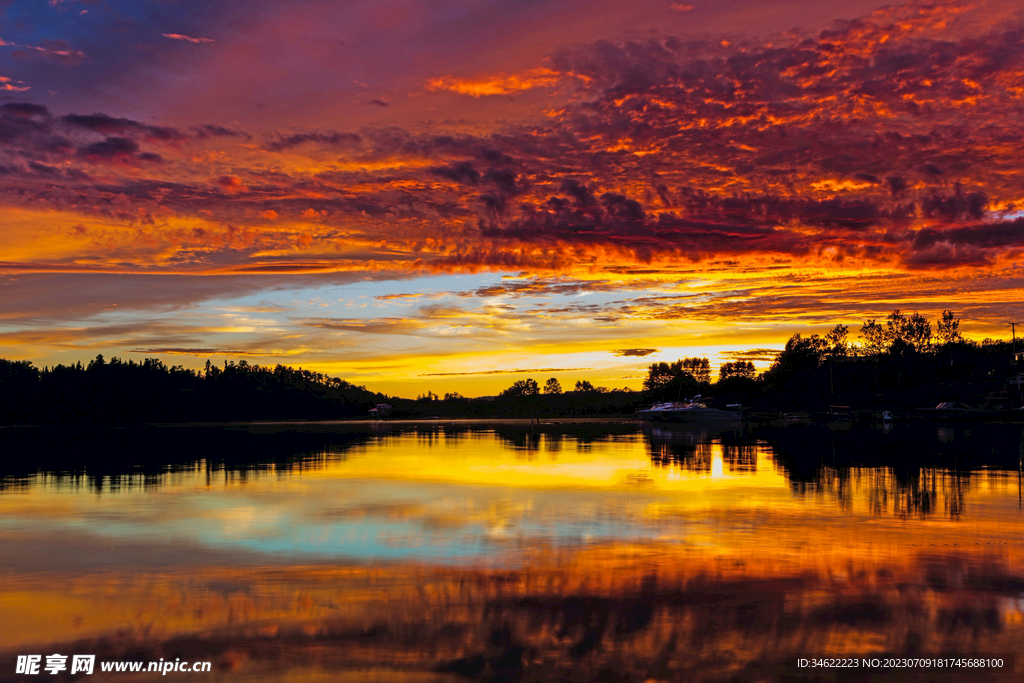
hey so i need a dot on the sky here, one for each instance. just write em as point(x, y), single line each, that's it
point(416, 195)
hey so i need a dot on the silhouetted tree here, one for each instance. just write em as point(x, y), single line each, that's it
point(660, 376)
point(874, 338)
point(947, 330)
point(836, 342)
point(522, 389)
point(794, 371)
point(836, 348)
point(914, 330)
point(740, 368)
point(552, 386)
point(19, 387)
point(699, 369)
point(670, 381)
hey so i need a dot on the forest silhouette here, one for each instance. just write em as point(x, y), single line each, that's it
point(119, 391)
point(901, 364)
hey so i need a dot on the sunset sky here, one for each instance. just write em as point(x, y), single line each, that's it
point(414, 195)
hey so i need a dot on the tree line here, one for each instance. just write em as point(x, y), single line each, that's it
point(526, 398)
point(118, 391)
point(901, 362)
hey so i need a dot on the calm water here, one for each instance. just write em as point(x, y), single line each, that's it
point(500, 552)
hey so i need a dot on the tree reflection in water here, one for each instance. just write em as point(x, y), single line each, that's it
point(596, 553)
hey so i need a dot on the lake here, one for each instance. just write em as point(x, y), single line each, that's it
point(477, 551)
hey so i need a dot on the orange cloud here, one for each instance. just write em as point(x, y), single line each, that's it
point(497, 84)
point(7, 85)
point(231, 184)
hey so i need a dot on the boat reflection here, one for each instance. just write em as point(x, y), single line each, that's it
point(694, 449)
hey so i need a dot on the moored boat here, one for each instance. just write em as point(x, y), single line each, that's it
point(694, 410)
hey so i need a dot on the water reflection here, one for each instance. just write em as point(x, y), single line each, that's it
point(922, 493)
point(512, 552)
point(694, 450)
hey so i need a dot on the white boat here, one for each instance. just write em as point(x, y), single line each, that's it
point(694, 410)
